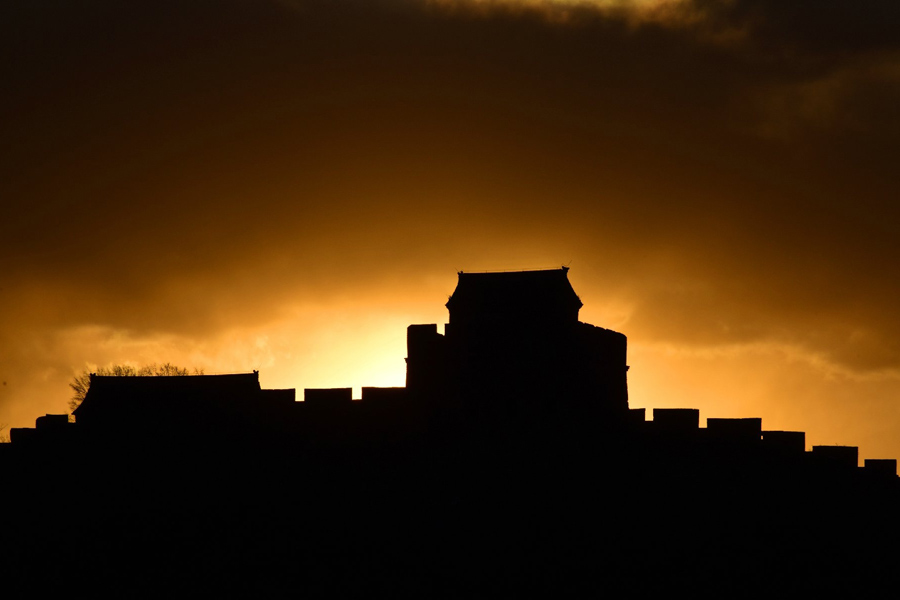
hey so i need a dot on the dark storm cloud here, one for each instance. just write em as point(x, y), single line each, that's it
point(827, 30)
point(175, 166)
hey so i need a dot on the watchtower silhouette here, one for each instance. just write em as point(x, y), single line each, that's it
point(514, 349)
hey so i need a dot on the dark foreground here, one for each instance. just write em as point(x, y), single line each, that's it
point(543, 511)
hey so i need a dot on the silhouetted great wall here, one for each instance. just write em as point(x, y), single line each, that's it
point(510, 463)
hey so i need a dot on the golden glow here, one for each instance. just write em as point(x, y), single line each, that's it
point(671, 12)
point(601, 4)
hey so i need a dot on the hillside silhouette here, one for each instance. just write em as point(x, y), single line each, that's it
point(510, 463)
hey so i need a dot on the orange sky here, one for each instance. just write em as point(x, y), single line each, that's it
point(285, 185)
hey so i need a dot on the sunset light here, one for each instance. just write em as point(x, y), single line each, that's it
point(284, 186)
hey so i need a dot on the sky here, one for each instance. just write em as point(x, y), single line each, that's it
point(285, 185)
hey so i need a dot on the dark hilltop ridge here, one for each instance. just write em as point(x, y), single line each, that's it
point(510, 463)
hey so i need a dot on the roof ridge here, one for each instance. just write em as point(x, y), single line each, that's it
point(564, 268)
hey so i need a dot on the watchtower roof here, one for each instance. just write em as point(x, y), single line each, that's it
point(545, 290)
